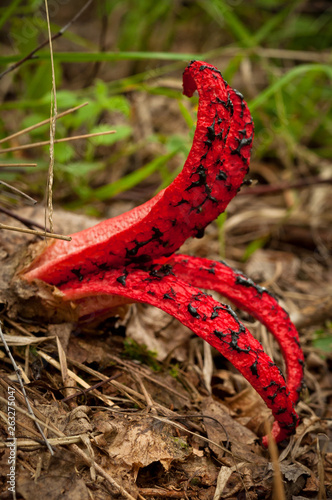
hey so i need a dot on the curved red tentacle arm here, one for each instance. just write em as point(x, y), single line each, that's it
point(105, 266)
point(211, 177)
point(212, 321)
point(254, 299)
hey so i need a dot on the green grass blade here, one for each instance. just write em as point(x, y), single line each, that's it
point(287, 78)
point(272, 24)
point(132, 179)
point(85, 57)
point(8, 11)
point(222, 13)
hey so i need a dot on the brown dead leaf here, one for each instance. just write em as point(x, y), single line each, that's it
point(199, 471)
point(137, 442)
point(240, 438)
point(158, 331)
point(312, 485)
point(292, 472)
point(59, 475)
point(250, 410)
point(87, 350)
point(223, 383)
point(62, 331)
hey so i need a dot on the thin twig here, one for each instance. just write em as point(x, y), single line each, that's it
point(32, 442)
point(75, 377)
point(65, 139)
point(43, 44)
point(39, 124)
point(83, 392)
point(162, 493)
point(89, 461)
point(19, 191)
point(27, 222)
point(283, 186)
point(37, 233)
point(18, 374)
point(18, 164)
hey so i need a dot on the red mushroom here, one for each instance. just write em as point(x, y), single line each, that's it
point(130, 258)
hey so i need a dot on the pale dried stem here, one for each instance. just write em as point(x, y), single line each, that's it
point(18, 164)
point(53, 115)
point(18, 191)
point(279, 491)
point(297, 55)
point(40, 124)
point(31, 443)
point(75, 377)
point(37, 233)
point(56, 141)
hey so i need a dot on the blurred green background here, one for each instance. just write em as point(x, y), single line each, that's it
point(125, 58)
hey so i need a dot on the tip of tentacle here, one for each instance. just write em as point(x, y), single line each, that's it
point(279, 434)
point(189, 85)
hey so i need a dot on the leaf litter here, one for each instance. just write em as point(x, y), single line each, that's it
point(139, 439)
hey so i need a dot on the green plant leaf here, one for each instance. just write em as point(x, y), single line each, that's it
point(63, 152)
point(122, 132)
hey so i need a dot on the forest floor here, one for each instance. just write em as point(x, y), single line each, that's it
point(137, 406)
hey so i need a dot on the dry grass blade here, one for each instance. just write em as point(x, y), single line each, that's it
point(26, 222)
point(18, 164)
point(321, 472)
point(53, 117)
point(33, 417)
point(63, 361)
point(83, 392)
point(37, 233)
point(65, 139)
point(75, 377)
point(31, 443)
point(295, 55)
point(37, 125)
point(19, 340)
point(146, 374)
point(18, 191)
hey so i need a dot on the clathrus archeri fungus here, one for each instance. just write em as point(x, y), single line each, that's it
point(130, 258)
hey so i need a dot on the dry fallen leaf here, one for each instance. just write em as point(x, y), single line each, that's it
point(158, 331)
point(137, 442)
